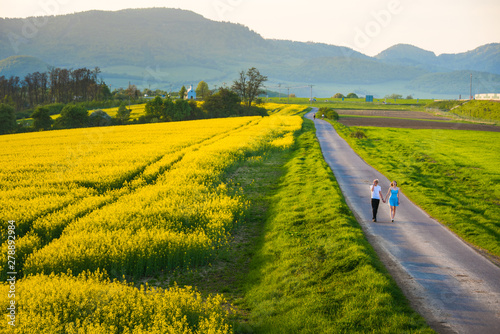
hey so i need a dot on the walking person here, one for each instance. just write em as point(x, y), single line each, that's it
point(393, 192)
point(376, 192)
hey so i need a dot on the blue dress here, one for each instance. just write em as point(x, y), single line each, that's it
point(393, 200)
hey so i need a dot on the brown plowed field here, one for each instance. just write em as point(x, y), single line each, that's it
point(407, 119)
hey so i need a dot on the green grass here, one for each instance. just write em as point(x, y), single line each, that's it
point(479, 110)
point(402, 118)
point(358, 104)
point(444, 105)
point(454, 175)
point(313, 271)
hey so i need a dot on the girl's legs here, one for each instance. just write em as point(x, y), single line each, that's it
point(393, 212)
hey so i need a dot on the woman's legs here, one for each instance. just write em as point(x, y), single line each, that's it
point(393, 212)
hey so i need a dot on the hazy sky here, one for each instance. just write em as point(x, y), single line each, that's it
point(368, 26)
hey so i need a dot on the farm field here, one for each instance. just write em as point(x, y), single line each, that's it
point(129, 200)
point(117, 228)
point(406, 114)
point(414, 124)
point(357, 104)
point(407, 119)
point(136, 110)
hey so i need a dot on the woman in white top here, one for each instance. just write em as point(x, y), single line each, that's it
point(376, 191)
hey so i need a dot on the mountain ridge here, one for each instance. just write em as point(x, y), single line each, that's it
point(168, 47)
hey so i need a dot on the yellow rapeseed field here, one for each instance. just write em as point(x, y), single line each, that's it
point(127, 200)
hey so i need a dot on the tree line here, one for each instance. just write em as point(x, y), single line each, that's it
point(224, 102)
point(59, 85)
point(236, 101)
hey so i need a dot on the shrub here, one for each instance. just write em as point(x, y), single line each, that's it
point(329, 113)
point(99, 118)
point(358, 134)
point(72, 116)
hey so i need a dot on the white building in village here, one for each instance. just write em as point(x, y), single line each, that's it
point(491, 97)
point(191, 93)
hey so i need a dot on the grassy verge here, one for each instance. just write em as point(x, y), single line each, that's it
point(313, 270)
point(454, 175)
point(479, 110)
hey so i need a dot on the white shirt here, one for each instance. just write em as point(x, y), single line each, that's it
point(376, 191)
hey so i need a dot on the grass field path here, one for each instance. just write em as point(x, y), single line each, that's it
point(454, 287)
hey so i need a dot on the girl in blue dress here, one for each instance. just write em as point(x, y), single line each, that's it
point(393, 192)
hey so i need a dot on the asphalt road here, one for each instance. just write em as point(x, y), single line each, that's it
point(453, 286)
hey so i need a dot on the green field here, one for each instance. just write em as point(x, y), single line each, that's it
point(453, 175)
point(377, 104)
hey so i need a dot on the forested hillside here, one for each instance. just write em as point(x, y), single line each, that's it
point(171, 47)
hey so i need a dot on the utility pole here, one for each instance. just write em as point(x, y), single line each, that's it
point(471, 86)
point(311, 100)
point(288, 101)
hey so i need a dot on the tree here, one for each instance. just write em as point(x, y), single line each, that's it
point(352, 96)
point(132, 92)
point(202, 90)
point(123, 114)
point(154, 108)
point(394, 96)
point(329, 113)
point(182, 110)
point(182, 92)
point(224, 103)
point(42, 119)
point(249, 85)
point(338, 96)
point(72, 116)
point(8, 122)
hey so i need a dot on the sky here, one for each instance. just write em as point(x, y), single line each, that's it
point(367, 26)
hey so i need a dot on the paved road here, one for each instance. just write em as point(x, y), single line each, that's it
point(456, 289)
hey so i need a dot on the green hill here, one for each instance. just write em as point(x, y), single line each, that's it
point(21, 65)
point(167, 48)
point(408, 55)
point(485, 58)
point(457, 82)
point(354, 71)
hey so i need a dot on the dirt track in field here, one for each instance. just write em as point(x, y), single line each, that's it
point(407, 119)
